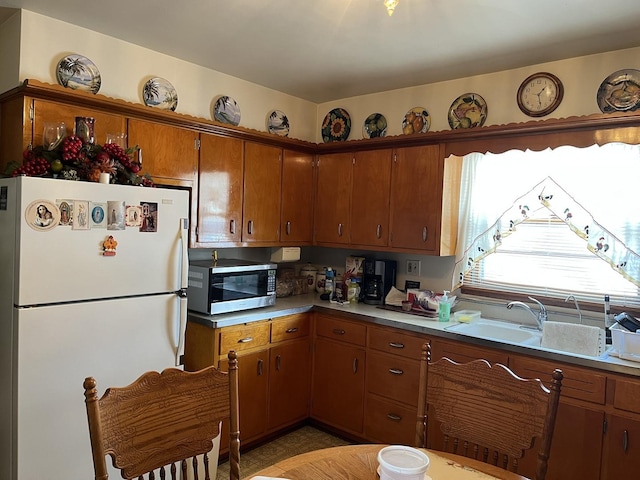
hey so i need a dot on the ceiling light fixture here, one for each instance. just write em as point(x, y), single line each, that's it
point(390, 4)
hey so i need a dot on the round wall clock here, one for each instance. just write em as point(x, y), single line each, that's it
point(540, 94)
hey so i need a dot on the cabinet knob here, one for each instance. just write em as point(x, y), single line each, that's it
point(250, 227)
point(355, 365)
point(287, 228)
point(339, 229)
point(232, 226)
point(394, 417)
point(260, 367)
point(425, 233)
point(396, 345)
point(396, 371)
point(338, 331)
point(291, 330)
point(278, 362)
point(625, 441)
point(379, 231)
point(245, 340)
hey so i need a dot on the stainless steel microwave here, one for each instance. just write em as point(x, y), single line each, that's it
point(229, 285)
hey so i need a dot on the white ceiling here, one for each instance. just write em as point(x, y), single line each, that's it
point(323, 50)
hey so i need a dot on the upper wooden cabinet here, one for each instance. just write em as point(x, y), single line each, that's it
point(220, 182)
point(370, 198)
point(333, 199)
point(262, 187)
point(416, 198)
point(169, 154)
point(296, 222)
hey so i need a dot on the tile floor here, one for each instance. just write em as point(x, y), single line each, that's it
point(305, 439)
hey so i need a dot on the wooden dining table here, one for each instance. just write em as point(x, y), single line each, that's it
point(360, 462)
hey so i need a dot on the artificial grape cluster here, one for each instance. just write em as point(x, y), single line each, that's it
point(117, 153)
point(71, 147)
point(32, 165)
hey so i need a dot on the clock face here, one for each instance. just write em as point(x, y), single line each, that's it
point(540, 94)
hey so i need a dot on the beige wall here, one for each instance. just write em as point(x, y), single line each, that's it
point(580, 76)
point(126, 67)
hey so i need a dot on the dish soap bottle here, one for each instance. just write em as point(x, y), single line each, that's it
point(444, 308)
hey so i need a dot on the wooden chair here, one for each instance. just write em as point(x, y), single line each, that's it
point(486, 411)
point(164, 419)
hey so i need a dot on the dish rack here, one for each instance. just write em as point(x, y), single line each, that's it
point(626, 344)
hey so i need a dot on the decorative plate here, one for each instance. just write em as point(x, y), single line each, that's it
point(374, 126)
point(226, 110)
point(620, 91)
point(336, 126)
point(467, 111)
point(78, 73)
point(278, 123)
point(159, 93)
point(42, 215)
point(416, 120)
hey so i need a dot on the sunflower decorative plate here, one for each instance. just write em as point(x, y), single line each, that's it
point(226, 110)
point(467, 111)
point(416, 120)
point(159, 93)
point(620, 91)
point(336, 126)
point(374, 126)
point(78, 73)
point(278, 123)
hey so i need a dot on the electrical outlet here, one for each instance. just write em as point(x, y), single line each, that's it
point(413, 267)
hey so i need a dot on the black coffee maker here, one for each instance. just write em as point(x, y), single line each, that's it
point(377, 279)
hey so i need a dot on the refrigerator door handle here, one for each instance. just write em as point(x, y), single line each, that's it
point(184, 283)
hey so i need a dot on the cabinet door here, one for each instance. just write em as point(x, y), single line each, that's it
point(622, 448)
point(262, 180)
point(220, 189)
point(333, 198)
point(416, 198)
point(370, 198)
point(169, 154)
point(289, 374)
point(253, 384)
point(338, 385)
point(297, 198)
point(45, 111)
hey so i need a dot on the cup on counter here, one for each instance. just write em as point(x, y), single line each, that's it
point(406, 305)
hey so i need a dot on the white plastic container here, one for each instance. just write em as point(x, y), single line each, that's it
point(466, 316)
point(399, 462)
point(626, 344)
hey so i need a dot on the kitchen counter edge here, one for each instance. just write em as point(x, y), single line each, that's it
point(414, 323)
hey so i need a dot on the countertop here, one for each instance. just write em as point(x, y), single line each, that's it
point(430, 327)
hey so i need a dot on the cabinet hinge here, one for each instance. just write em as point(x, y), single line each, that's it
point(353, 160)
point(197, 144)
point(395, 158)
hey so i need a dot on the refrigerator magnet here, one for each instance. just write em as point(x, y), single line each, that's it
point(149, 217)
point(115, 215)
point(66, 212)
point(133, 217)
point(80, 215)
point(109, 246)
point(42, 215)
point(98, 218)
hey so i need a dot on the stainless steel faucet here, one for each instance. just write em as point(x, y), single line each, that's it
point(540, 317)
point(575, 302)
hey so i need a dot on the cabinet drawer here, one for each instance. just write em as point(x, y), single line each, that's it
point(393, 377)
point(290, 327)
point(463, 353)
point(627, 393)
point(389, 422)
point(338, 329)
point(244, 337)
point(577, 383)
point(395, 341)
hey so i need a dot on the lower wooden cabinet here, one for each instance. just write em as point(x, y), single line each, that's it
point(621, 448)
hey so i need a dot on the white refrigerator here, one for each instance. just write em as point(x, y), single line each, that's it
point(92, 283)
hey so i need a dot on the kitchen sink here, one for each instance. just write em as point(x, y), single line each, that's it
point(497, 330)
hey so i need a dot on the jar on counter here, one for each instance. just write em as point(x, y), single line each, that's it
point(309, 272)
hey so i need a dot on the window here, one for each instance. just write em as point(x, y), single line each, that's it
point(552, 223)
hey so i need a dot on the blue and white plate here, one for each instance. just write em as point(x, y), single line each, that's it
point(278, 123)
point(226, 110)
point(78, 73)
point(159, 93)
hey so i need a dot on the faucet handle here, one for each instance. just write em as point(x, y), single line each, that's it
point(543, 309)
